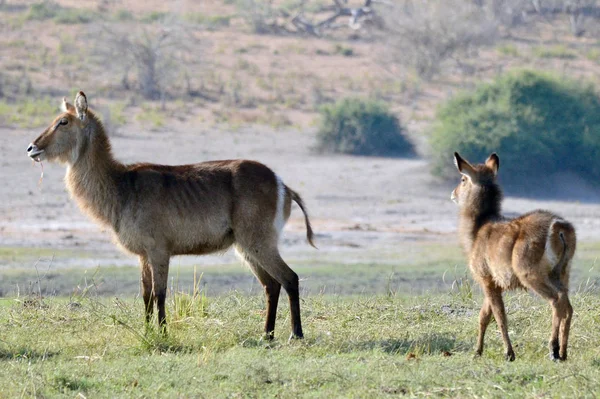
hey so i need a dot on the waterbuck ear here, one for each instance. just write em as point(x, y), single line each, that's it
point(493, 162)
point(81, 105)
point(66, 107)
point(463, 166)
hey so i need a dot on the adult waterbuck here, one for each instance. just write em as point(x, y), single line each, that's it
point(157, 211)
point(533, 251)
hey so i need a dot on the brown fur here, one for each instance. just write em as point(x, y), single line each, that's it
point(157, 211)
point(533, 251)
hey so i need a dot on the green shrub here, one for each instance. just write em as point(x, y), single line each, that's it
point(361, 127)
point(538, 124)
point(342, 50)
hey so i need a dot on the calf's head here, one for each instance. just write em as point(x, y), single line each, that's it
point(476, 181)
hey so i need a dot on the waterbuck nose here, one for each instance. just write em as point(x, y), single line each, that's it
point(30, 148)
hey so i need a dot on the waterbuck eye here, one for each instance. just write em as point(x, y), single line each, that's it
point(63, 121)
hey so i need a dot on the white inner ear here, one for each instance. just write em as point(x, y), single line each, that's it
point(456, 163)
point(63, 105)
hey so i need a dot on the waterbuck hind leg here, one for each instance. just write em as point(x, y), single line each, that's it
point(566, 311)
point(146, 286)
point(275, 266)
point(559, 301)
point(272, 289)
point(494, 296)
point(485, 315)
point(159, 263)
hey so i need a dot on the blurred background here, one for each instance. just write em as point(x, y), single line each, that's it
point(358, 105)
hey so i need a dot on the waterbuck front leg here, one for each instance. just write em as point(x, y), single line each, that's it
point(146, 286)
point(159, 264)
point(494, 295)
point(485, 315)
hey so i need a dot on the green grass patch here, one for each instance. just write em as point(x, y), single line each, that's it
point(208, 21)
point(509, 50)
point(151, 116)
point(46, 10)
point(29, 113)
point(360, 346)
point(412, 269)
point(123, 15)
point(558, 51)
point(593, 55)
point(117, 113)
point(155, 16)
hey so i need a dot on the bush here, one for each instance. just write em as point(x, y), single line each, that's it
point(422, 35)
point(361, 127)
point(539, 124)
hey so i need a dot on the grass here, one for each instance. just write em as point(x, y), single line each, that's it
point(593, 55)
point(410, 269)
point(509, 50)
point(361, 346)
point(151, 116)
point(155, 16)
point(390, 328)
point(28, 113)
point(45, 10)
point(559, 51)
point(208, 21)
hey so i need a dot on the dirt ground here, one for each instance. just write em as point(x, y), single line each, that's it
point(362, 208)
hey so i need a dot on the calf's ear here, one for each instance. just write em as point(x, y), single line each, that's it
point(493, 162)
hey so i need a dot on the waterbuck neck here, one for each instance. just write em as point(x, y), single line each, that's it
point(92, 178)
point(484, 206)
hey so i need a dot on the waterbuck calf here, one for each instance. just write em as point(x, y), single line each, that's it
point(157, 211)
point(533, 251)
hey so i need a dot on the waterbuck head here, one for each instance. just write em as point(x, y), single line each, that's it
point(66, 137)
point(477, 189)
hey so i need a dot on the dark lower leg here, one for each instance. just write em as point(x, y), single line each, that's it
point(160, 305)
point(293, 291)
point(553, 344)
point(272, 291)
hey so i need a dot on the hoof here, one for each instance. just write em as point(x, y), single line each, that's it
point(270, 336)
point(295, 337)
point(510, 356)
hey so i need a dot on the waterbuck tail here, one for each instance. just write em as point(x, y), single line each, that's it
point(298, 200)
point(564, 229)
